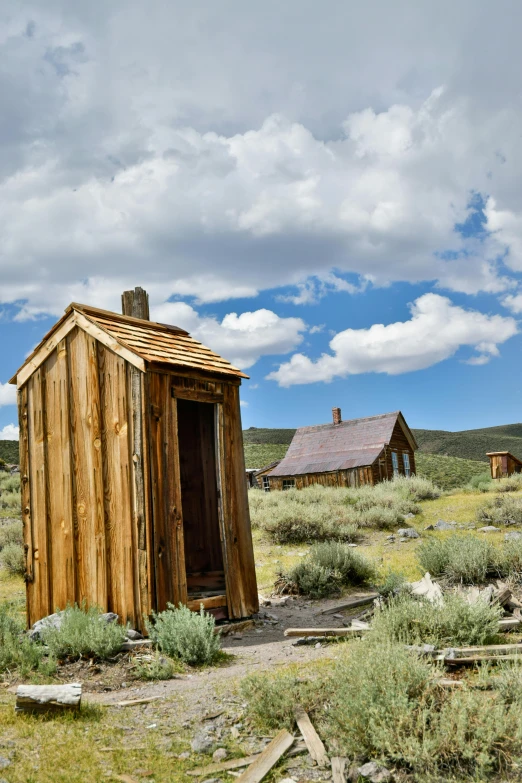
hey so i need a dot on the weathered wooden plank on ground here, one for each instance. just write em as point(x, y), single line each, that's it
point(313, 742)
point(268, 758)
point(338, 769)
point(324, 631)
point(350, 603)
point(48, 698)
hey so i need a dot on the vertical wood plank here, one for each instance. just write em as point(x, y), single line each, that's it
point(138, 487)
point(86, 440)
point(23, 420)
point(42, 599)
point(117, 484)
point(169, 557)
point(237, 536)
point(59, 489)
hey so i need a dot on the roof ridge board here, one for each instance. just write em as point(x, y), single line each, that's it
point(110, 315)
point(229, 371)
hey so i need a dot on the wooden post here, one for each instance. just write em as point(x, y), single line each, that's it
point(136, 304)
point(48, 698)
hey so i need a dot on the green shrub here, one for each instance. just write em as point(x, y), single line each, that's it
point(158, 668)
point(186, 635)
point(393, 584)
point(509, 484)
point(17, 652)
point(458, 558)
point(12, 558)
point(10, 483)
point(454, 623)
point(481, 480)
point(501, 510)
point(416, 488)
point(327, 568)
point(378, 702)
point(507, 560)
point(272, 697)
point(11, 533)
point(83, 632)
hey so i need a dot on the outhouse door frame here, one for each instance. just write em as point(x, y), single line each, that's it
point(170, 574)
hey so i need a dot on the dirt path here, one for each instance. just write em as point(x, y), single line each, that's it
point(257, 649)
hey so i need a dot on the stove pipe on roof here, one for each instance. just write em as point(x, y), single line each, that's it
point(336, 415)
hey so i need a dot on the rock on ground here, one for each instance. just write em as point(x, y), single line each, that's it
point(201, 743)
point(407, 532)
point(374, 772)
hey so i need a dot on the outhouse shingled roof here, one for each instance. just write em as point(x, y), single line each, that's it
point(151, 342)
point(350, 444)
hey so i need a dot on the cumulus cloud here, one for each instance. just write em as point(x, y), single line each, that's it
point(9, 432)
point(242, 339)
point(7, 394)
point(436, 331)
point(130, 145)
point(513, 302)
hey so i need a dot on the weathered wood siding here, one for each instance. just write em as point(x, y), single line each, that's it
point(399, 443)
point(76, 481)
point(354, 477)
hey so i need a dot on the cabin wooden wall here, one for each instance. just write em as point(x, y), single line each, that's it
point(354, 477)
point(77, 482)
point(399, 443)
point(503, 465)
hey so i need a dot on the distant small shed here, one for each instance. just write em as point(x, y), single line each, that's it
point(347, 453)
point(503, 464)
point(132, 469)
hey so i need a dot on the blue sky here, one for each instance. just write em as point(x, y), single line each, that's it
point(346, 226)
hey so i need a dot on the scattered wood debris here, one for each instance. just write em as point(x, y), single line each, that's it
point(133, 702)
point(322, 632)
point(313, 742)
point(48, 698)
point(350, 603)
point(338, 769)
point(268, 758)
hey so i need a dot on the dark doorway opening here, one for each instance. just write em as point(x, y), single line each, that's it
point(200, 500)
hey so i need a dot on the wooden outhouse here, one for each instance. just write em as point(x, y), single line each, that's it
point(503, 464)
point(346, 453)
point(132, 469)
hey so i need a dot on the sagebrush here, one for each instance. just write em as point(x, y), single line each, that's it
point(379, 702)
point(189, 636)
point(470, 560)
point(84, 632)
point(326, 569)
point(18, 654)
point(455, 622)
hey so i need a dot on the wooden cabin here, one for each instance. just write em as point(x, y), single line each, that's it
point(347, 453)
point(132, 469)
point(261, 476)
point(503, 464)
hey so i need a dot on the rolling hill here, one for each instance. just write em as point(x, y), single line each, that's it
point(9, 451)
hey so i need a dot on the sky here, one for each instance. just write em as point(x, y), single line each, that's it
point(327, 194)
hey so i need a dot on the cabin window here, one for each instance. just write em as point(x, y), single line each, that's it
point(395, 463)
point(266, 484)
point(406, 463)
point(288, 483)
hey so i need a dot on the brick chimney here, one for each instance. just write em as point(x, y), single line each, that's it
point(336, 415)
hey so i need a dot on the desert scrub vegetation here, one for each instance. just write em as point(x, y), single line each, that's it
point(379, 701)
point(503, 509)
point(18, 654)
point(9, 494)
point(188, 636)
point(320, 513)
point(449, 472)
point(12, 558)
point(83, 632)
point(326, 569)
point(454, 622)
point(470, 560)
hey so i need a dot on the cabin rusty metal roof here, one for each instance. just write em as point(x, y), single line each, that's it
point(329, 447)
point(153, 342)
